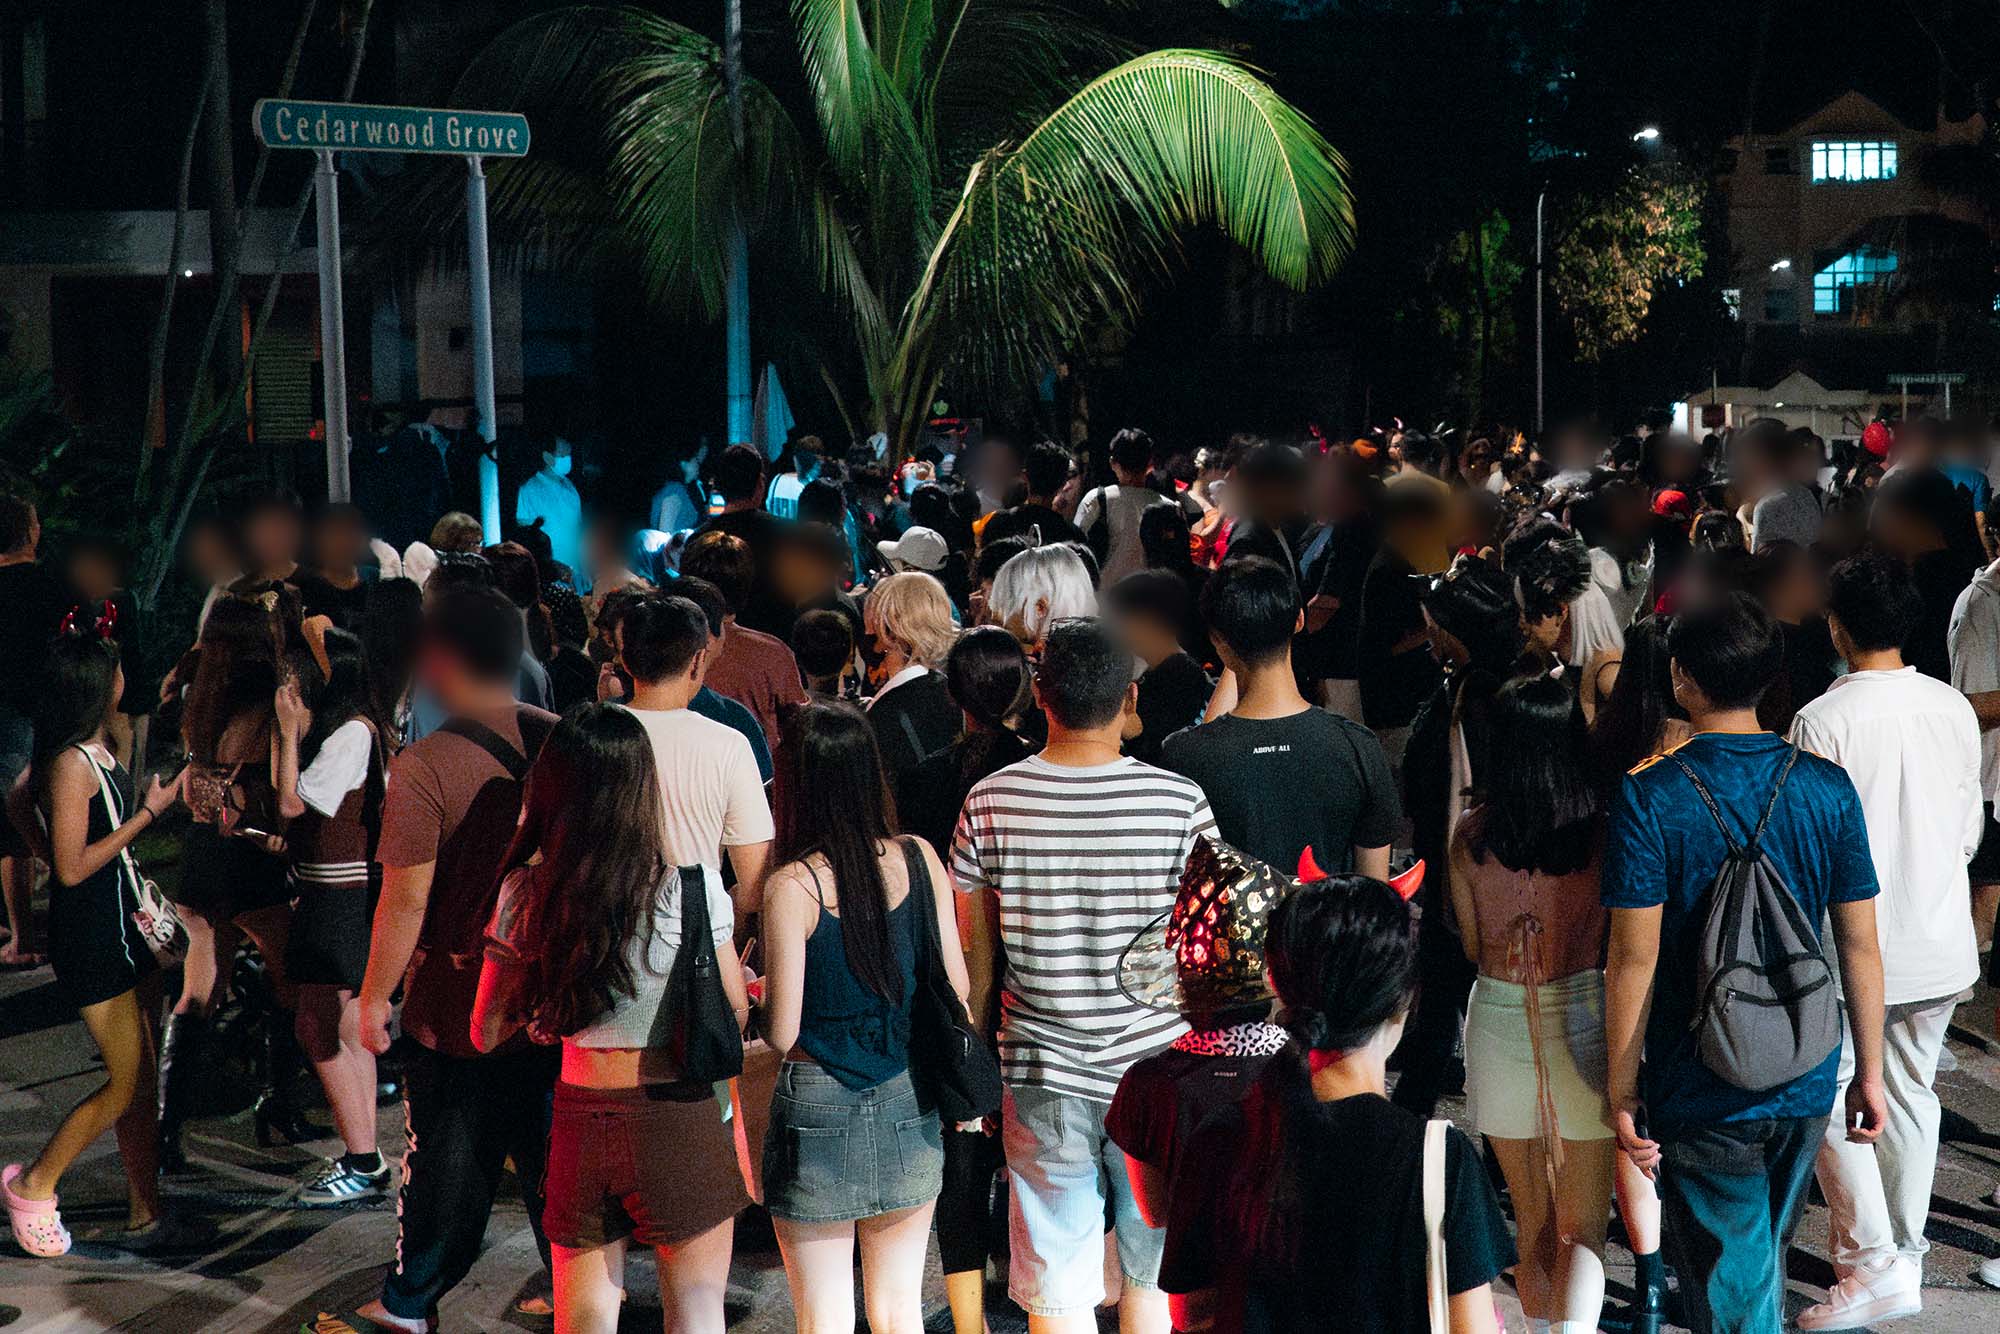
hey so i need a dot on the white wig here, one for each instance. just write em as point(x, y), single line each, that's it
point(1041, 585)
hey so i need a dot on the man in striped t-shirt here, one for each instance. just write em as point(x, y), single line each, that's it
point(1069, 854)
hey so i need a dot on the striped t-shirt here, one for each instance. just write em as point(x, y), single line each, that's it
point(1082, 860)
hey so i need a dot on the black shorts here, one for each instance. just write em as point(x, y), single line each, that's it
point(225, 877)
point(1984, 869)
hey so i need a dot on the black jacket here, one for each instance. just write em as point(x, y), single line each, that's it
point(916, 719)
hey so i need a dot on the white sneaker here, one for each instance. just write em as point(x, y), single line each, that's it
point(1867, 1295)
point(1989, 1273)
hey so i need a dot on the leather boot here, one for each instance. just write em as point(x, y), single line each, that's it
point(277, 1114)
point(181, 1068)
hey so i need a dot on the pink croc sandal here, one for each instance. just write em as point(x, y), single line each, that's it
point(38, 1228)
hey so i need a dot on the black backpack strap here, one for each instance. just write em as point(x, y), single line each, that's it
point(1701, 790)
point(535, 731)
point(479, 734)
point(930, 940)
point(1790, 759)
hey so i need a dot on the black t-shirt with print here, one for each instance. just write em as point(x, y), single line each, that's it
point(1277, 785)
point(1360, 1256)
point(1165, 1098)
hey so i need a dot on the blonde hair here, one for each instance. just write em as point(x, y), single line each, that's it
point(1052, 579)
point(456, 531)
point(913, 610)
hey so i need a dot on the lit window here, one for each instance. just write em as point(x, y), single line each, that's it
point(1834, 284)
point(1854, 160)
point(1732, 301)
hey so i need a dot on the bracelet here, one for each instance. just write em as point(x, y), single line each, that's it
point(147, 811)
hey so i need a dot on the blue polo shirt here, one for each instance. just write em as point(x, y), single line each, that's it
point(1664, 851)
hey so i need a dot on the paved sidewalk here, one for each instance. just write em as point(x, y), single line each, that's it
point(251, 1264)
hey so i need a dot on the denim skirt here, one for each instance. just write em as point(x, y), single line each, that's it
point(835, 1154)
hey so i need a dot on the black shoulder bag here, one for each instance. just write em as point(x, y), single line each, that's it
point(706, 1043)
point(953, 1069)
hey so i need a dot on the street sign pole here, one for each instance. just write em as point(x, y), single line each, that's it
point(482, 346)
point(333, 347)
point(325, 128)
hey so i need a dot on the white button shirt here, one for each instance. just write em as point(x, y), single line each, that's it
point(1911, 745)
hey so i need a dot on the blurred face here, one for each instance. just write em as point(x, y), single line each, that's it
point(271, 538)
point(94, 575)
point(339, 542)
point(210, 556)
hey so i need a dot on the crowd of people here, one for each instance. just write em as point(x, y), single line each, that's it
point(1149, 839)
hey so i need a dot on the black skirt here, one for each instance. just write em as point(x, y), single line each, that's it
point(331, 921)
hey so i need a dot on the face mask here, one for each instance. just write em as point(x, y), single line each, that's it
point(557, 464)
point(910, 485)
point(808, 468)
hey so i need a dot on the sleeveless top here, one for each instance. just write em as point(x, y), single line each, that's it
point(1535, 928)
point(858, 1037)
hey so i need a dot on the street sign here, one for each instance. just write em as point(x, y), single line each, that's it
point(353, 128)
point(326, 128)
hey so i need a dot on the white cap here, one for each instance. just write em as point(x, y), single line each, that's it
point(918, 549)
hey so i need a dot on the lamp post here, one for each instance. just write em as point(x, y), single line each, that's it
point(1648, 135)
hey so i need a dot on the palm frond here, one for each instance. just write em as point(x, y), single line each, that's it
point(1057, 232)
point(1001, 67)
point(864, 117)
point(904, 30)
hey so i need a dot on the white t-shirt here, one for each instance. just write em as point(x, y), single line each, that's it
point(340, 766)
point(709, 786)
point(1120, 508)
point(1911, 745)
point(1974, 638)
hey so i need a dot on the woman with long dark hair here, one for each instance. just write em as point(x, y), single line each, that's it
point(987, 672)
point(78, 822)
point(233, 870)
point(1524, 877)
point(987, 675)
point(850, 1154)
point(583, 939)
point(332, 761)
point(1268, 1232)
point(1641, 717)
point(391, 627)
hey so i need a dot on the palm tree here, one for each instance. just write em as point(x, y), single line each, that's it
point(954, 179)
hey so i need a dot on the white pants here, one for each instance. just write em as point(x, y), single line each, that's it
point(1879, 1195)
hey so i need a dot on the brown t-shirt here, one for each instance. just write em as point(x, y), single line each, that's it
point(759, 672)
point(451, 803)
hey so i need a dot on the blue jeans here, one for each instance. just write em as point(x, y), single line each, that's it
point(1730, 1196)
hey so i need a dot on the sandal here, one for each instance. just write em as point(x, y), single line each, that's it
point(38, 1228)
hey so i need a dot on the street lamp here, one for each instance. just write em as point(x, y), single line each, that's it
point(1650, 134)
point(1780, 265)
